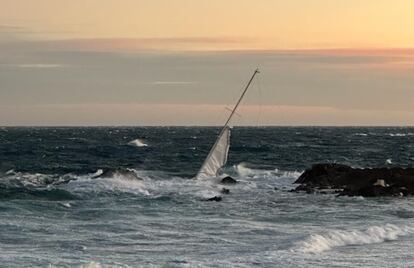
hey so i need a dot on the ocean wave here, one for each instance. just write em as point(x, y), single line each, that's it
point(28, 193)
point(361, 134)
point(117, 184)
point(138, 143)
point(140, 182)
point(317, 243)
point(400, 134)
point(21, 179)
point(244, 171)
point(92, 264)
point(69, 186)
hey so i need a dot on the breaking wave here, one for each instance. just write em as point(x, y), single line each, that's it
point(153, 184)
point(375, 234)
point(244, 171)
point(18, 185)
point(117, 182)
point(138, 143)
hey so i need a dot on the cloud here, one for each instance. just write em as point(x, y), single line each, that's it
point(344, 80)
point(13, 29)
point(134, 114)
point(133, 44)
point(173, 83)
point(38, 65)
point(11, 33)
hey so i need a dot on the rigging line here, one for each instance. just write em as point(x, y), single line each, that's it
point(220, 115)
point(260, 101)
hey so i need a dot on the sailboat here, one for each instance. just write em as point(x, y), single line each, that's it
point(217, 157)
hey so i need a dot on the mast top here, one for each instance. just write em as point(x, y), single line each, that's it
point(241, 97)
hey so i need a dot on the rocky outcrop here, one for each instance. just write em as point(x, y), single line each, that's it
point(228, 180)
point(368, 182)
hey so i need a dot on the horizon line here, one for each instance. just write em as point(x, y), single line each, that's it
point(155, 126)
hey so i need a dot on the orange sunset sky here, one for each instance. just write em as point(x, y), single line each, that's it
point(159, 62)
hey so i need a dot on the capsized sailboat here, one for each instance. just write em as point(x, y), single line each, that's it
point(217, 157)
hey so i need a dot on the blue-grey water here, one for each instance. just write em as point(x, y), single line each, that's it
point(53, 214)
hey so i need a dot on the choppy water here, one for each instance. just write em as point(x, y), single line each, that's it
point(162, 220)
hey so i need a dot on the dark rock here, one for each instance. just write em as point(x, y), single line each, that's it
point(228, 180)
point(368, 182)
point(225, 191)
point(216, 198)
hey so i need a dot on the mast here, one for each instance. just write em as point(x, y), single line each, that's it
point(241, 97)
point(207, 163)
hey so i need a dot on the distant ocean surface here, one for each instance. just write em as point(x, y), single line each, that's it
point(53, 214)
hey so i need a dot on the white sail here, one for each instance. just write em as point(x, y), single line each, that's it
point(218, 153)
point(217, 156)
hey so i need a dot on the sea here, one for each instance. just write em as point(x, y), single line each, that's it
point(55, 213)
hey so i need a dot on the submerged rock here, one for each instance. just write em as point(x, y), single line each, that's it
point(228, 180)
point(216, 198)
point(225, 191)
point(368, 182)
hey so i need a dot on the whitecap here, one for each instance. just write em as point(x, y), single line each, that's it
point(138, 143)
point(66, 204)
point(400, 134)
point(361, 134)
point(9, 172)
point(92, 264)
point(317, 243)
point(97, 173)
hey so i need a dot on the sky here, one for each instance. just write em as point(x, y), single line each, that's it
point(185, 62)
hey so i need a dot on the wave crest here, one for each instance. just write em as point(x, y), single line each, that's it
point(400, 134)
point(244, 171)
point(138, 143)
point(375, 234)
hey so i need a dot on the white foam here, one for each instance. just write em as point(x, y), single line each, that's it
point(117, 183)
point(400, 134)
point(361, 134)
point(9, 172)
point(97, 173)
point(158, 185)
point(244, 171)
point(138, 143)
point(92, 264)
point(66, 204)
point(338, 238)
point(27, 179)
